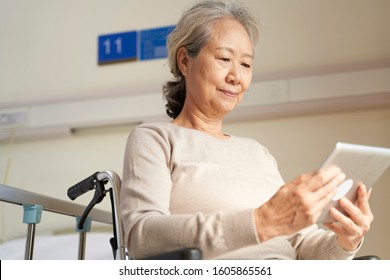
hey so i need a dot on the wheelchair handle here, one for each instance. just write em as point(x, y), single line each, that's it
point(82, 187)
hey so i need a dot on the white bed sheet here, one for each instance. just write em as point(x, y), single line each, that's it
point(60, 247)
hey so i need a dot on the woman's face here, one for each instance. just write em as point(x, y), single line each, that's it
point(218, 77)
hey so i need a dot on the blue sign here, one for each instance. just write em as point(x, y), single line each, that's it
point(117, 47)
point(153, 42)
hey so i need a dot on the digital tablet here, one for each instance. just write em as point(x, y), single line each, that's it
point(360, 164)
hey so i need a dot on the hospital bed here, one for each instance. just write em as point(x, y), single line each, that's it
point(34, 204)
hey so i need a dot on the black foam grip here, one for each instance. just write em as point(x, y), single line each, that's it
point(82, 187)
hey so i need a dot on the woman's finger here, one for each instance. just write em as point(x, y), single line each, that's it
point(330, 176)
point(362, 200)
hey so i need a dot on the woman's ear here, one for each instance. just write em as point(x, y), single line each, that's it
point(182, 60)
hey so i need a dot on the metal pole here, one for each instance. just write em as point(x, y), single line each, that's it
point(30, 242)
point(82, 241)
point(115, 181)
point(31, 216)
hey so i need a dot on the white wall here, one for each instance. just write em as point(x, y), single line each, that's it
point(48, 49)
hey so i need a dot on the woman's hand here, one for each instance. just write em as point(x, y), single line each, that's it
point(297, 204)
point(351, 229)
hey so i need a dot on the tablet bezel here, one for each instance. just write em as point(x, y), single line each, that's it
point(360, 163)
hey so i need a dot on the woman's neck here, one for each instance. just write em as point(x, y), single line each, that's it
point(206, 125)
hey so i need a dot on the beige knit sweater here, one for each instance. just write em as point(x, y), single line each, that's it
point(184, 188)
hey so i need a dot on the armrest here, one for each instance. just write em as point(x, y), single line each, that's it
point(180, 254)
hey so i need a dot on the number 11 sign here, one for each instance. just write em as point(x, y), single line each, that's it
point(117, 47)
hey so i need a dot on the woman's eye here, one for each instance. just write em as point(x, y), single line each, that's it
point(246, 65)
point(225, 59)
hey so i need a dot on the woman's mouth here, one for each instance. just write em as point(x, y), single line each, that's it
point(229, 93)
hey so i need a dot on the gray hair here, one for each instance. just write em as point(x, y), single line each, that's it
point(193, 31)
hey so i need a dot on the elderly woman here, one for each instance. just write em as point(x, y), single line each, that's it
point(186, 183)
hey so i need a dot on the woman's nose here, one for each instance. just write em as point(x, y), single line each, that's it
point(234, 75)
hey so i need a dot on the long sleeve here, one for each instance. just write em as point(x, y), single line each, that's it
point(318, 244)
